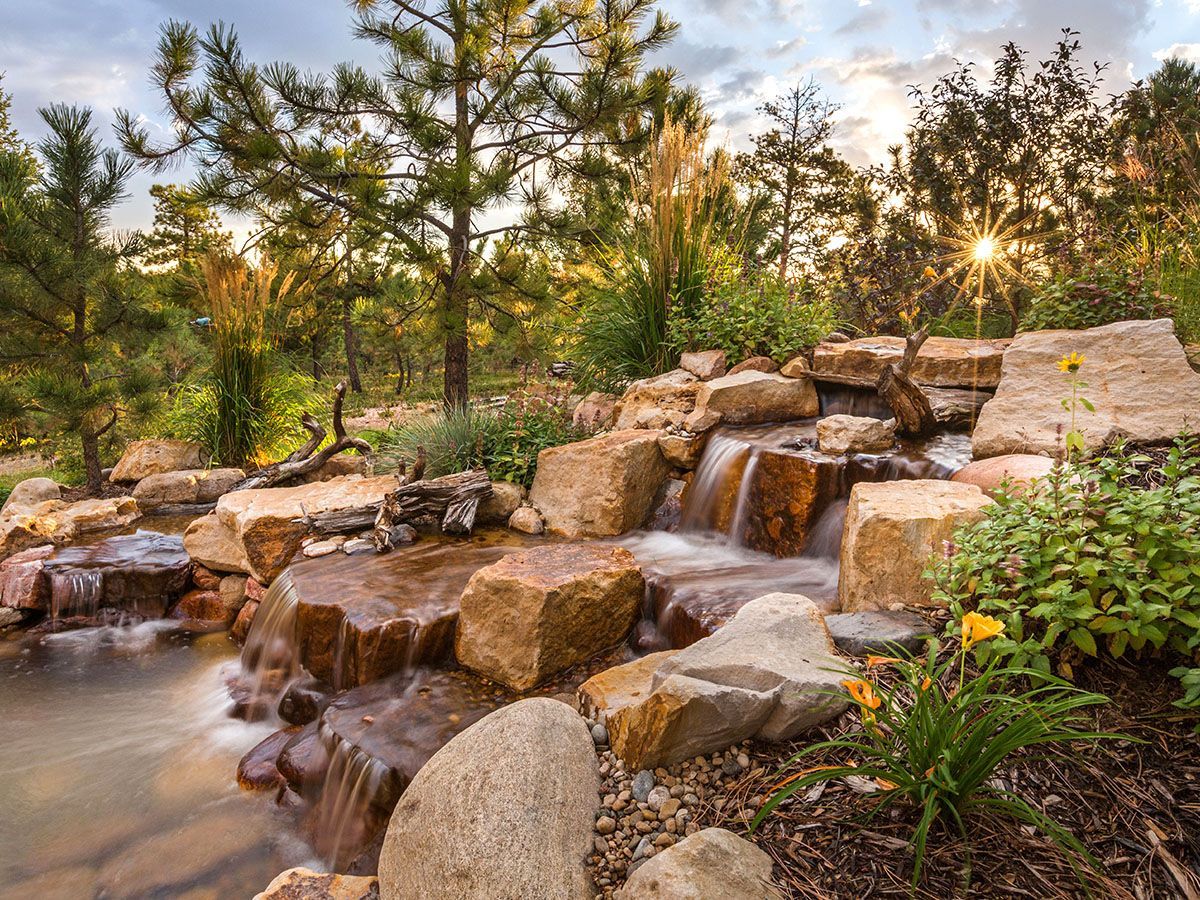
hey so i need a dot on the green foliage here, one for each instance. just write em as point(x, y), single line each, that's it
point(1103, 558)
point(454, 440)
point(753, 314)
point(934, 741)
point(506, 443)
point(1097, 297)
point(527, 427)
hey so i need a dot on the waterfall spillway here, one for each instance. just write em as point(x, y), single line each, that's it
point(270, 658)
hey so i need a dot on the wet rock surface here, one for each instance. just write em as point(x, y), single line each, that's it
point(538, 612)
point(942, 361)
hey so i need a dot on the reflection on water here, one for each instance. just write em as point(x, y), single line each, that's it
point(118, 761)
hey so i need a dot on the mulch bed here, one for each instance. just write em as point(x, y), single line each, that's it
point(1135, 806)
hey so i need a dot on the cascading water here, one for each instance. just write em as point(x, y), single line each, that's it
point(76, 593)
point(270, 658)
point(353, 783)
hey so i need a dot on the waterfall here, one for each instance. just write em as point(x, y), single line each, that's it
point(270, 658)
point(353, 782)
point(76, 592)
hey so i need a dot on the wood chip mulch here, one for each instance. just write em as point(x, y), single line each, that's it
point(1135, 806)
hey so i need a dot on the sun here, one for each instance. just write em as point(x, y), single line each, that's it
point(985, 249)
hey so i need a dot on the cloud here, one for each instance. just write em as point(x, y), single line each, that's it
point(1190, 52)
point(868, 18)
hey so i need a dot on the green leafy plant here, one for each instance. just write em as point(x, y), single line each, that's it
point(528, 425)
point(1096, 297)
point(933, 740)
point(1070, 365)
point(453, 440)
point(752, 314)
point(1100, 556)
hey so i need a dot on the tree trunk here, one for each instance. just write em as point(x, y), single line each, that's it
point(91, 461)
point(455, 311)
point(351, 342)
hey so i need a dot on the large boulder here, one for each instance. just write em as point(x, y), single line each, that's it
point(185, 487)
point(538, 612)
point(712, 863)
point(1137, 377)
point(942, 361)
point(31, 492)
point(603, 486)
point(265, 522)
point(854, 434)
point(892, 530)
point(58, 522)
point(1018, 469)
point(305, 884)
point(23, 584)
point(657, 401)
point(212, 544)
point(504, 811)
point(752, 398)
point(142, 459)
point(768, 673)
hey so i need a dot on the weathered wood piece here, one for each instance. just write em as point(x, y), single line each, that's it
point(305, 459)
point(454, 498)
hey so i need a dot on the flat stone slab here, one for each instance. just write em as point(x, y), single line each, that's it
point(1137, 377)
point(752, 398)
point(942, 362)
point(877, 632)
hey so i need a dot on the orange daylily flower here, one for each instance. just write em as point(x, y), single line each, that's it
point(926, 683)
point(976, 628)
point(930, 272)
point(874, 661)
point(862, 692)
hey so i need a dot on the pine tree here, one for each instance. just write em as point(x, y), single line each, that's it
point(480, 106)
point(71, 309)
point(184, 228)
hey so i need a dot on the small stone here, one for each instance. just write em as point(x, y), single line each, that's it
point(664, 840)
point(606, 825)
point(678, 791)
point(318, 549)
point(732, 767)
point(357, 545)
point(599, 734)
point(643, 783)
point(690, 799)
point(644, 845)
point(644, 827)
point(671, 826)
point(743, 760)
point(668, 808)
point(656, 797)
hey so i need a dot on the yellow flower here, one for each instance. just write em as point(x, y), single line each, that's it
point(976, 628)
point(862, 692)
point(1071, 363)
point(926, 683)
point(930, 272)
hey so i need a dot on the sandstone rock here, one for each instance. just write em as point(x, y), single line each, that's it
point(767, 673)
point(205, 578)
point(201, 606)
point(526, 520)
point(675, 391)
point(264, 521)
point(342, 464)
point(1019, 469)
point(892, 530)
point(57, 522)
point(22, 582)
point(620, 686)
point(595, 411)
point(245, 618)
point(755, 364)
point(187, 486)
point(518, 828)
point(1137, 377)
point(497, 509)
point(305, 884)
point(942, 362)
point(879, 632)
point(700, 421)
point(854, 434)
point(257, 770)
point(796, 367)
point(31, 492)
point(680, 451)
point(233, 597)
point(538, 612)
point(712, 863)
point(751, 398)
point(10, 617)
point(603, 486)
point(215, 546)
point(704, 364)
point(152, 457)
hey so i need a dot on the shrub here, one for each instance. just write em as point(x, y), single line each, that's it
point(1102, 557)
point(506, 443)
point(756, 314)
point(933, 740)
point(1093, 298)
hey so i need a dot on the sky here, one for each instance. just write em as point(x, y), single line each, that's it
point(864, 53)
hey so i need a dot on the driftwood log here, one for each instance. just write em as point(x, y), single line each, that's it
point(914, 414)
point(305, 460)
